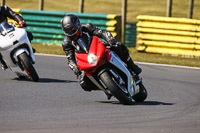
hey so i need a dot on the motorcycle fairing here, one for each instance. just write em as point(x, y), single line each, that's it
point(13, 42)
point(97, 48)
point(5, 28)
point(116, 61)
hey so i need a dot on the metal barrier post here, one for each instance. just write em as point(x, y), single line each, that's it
point(190, 14)
point(41, 5)
point(81, 6)
point(3, 2)
point(169, 8)
point(124, 10)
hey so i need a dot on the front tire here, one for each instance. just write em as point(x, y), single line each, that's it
point(115, 89)
point(28, 67)
point(142, 95)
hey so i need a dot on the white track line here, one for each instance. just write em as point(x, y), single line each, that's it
point(143, 63)
point(50, 55)
point(166, 65)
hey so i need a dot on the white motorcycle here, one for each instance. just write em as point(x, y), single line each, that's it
point(17, 52)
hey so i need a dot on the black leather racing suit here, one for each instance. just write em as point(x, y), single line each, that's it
point(69, 45)
point(7, 12)
point(69, 48)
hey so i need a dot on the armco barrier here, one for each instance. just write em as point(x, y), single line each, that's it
point(178, 36)
point(46, 26)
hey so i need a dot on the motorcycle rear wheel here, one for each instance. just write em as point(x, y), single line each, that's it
point(115, 89)
point(28, 67)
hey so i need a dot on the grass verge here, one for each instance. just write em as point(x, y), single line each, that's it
point(136, 56)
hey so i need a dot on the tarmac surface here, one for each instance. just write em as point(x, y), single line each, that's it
point(57, 104)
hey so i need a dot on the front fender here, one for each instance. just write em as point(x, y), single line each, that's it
point(18, 52)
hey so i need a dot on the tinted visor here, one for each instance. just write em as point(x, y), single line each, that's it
point(75, 36)
point(71, 31)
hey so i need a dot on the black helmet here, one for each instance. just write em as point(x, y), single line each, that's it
point(71, 25)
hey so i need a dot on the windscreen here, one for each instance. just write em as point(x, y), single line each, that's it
point(5, 28)
point(84, 43)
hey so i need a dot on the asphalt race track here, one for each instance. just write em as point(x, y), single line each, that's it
point(56, 104)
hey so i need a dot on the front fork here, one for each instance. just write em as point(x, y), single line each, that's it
point(118, 63)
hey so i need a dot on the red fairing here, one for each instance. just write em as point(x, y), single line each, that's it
point(97, 48)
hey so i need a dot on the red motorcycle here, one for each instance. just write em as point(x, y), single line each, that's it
point(107, 71)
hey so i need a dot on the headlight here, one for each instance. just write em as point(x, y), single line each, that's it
point(92, 59)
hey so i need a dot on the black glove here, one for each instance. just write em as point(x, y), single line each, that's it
point(73, 66)
point(77, 71)
point(112, 42)
point(117, 47)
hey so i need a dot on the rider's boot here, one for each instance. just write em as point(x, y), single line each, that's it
point(3, 66)
point(122, 51)
point(137, 70)
point(34, 50)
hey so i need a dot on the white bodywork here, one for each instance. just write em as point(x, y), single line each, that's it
point(116, 61)
point(132, 89)
point(11, 38)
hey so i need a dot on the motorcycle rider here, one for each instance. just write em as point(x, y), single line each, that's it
point(7, 12)
point(73, 29)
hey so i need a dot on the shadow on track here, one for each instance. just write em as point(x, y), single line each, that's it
point(148, 103)
point(48, 80)
point(45, 80)
point(151, 103)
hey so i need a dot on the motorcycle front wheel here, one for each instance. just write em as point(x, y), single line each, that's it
point(115, 88)
point(142, 95)
point(28, 67)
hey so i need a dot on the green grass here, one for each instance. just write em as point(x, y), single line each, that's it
point(48, 49)
point(164, 59)
point(135, 7)
point(136, 56)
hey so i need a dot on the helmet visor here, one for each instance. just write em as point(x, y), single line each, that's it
point(71, 31)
